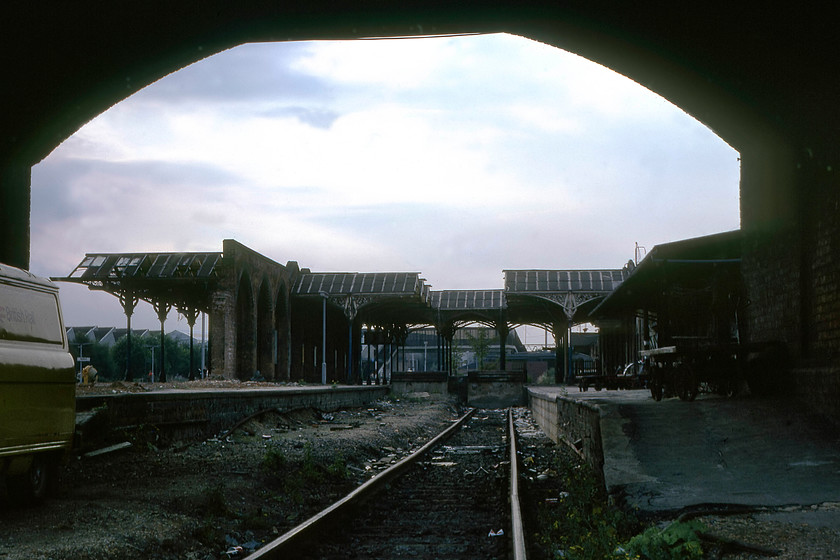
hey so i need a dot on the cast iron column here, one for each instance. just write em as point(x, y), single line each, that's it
point(129, 302)
point(162, 310)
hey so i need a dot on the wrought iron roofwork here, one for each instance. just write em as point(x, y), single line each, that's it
point(688, 261)
point(120, 266)
point(367, 283)
point(183, 280)
point(468, 299)
point(548, 281)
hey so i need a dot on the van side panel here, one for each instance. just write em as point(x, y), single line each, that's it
point(37, 377)
point(37, 400)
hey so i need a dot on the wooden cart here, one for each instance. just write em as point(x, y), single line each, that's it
point(691, 366)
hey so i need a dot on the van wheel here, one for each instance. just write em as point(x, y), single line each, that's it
point(31, 487)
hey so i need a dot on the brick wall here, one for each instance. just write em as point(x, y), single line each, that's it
point(241, 264)
point(822, 260)
point(790, 213)
point(575, 423)
point(820, 388)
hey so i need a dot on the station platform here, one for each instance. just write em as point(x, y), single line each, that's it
point(671, 455)
point(194, 409)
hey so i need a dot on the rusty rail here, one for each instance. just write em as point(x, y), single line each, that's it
point(281, 546)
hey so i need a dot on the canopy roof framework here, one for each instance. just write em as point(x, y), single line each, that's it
point(183, 280)
point(244, 300)
point(378, 298)
point(689, 262)
point(462, 307)
point(546, 297)
point(535, 297)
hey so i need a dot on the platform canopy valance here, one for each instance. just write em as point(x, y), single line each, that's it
point(382, 297)
point(553, 295)
point(178, 279)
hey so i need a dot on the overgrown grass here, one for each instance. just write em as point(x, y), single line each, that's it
point(677, 541)
point(582, 525)
point(290, 477)
point(213, 505)
point(214, 502)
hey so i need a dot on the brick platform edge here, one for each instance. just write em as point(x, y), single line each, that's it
point(571, 422)
point(174, 415)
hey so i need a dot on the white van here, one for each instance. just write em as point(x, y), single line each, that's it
point(37, 385)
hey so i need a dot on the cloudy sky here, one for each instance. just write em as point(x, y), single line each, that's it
point(454, 157)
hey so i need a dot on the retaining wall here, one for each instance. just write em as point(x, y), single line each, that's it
point(177, 414)
point(575, 423)
point(495, 394)
point(435, 389)
point(495, 389)
point(435, 383)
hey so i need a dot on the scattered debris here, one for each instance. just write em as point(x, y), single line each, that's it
point(343, 427)
point(234, 551)
point(109, 449)
point(498, 533)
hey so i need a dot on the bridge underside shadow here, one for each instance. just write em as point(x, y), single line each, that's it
point(764, 80)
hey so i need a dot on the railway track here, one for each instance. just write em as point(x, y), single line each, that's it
point(455, 498)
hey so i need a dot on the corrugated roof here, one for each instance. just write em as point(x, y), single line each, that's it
point(562, 281)
point(121, 266)
point(468, 299)
point(689, 261)
point(356, 283)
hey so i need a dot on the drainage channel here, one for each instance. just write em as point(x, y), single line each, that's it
point(456, 497)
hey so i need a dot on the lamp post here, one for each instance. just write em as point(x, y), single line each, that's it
point(324, 295)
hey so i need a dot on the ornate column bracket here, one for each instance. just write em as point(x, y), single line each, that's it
point(569, 302)
point(129, 302)
point(351, 304)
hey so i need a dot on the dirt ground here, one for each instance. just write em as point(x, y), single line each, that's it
point(217, 498)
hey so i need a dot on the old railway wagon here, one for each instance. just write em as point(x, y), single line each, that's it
point(681, 314)
point(37, 385)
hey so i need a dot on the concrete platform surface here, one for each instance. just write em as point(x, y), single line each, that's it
point(752, 451)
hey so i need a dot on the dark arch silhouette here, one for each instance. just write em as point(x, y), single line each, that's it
point(727, 67)
point(282, 327)
point(763, 79)
point(266, 336)
point(245, 329)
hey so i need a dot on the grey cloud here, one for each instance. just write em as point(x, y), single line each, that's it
point(53, 181)
point(172, 173)
point(248, 72)
point(52, 198)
